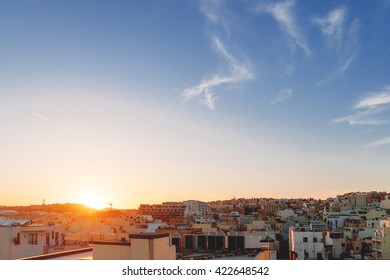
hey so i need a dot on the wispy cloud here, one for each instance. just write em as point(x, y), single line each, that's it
point(40, 116)
point(381, 142)
point(283, 95)
point(212, 10)
point(238, 72)
point(366, 117)
point(370, 108)
point(332, 26)
point(375, 99)
point(283, 13)
point(341, 38)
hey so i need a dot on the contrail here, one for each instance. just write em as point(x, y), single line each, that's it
point(41, 117)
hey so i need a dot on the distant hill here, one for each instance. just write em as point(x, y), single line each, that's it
point(57, 207)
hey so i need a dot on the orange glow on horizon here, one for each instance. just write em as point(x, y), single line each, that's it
point(93, 200)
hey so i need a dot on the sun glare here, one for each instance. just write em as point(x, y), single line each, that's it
point(93, 201)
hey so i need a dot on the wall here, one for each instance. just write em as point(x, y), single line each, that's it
point(162, 250)
point(311, 248)
point(5, 243)
point(140, 249)
point(111, 251)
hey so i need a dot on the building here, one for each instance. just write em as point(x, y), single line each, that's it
point(358, 200)
point(23, 238)
point(385, 203)
point(381, 241)
point(195, 208)
point(306, 244)
point(335, 244)
point(143, 246)
point(175, 212)
point(165, 211)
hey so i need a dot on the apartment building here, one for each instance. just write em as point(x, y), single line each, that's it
point(381, 241)
point(164, 211)
point(22, 238)
point(306, 244)
point(175, 210)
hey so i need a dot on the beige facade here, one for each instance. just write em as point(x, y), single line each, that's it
point(381, 241)
point(144, 246)
point(22, 239)
point(104, 250)
point(385, 203)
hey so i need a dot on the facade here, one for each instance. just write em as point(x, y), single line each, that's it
point(143, 246)
point(381, 241)
point(175, 211)
point(337, 220)
point(335, 244)
point(164, 211)
point(306, 244)
point(385, 203)
point(358, 200)
point(22, 238)
point(195, 208)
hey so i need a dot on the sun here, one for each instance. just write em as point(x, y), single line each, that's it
point(93, 201)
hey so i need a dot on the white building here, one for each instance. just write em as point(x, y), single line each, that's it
point(22, 238)
point(305, 244)
point(337, 220)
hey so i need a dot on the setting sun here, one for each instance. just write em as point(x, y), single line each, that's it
point(93, 201)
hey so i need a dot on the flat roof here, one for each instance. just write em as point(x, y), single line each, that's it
point(68, 255)
point(122, 243)
point(13, 222)
point(148, 235)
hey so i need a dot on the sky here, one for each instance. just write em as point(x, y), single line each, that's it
point(147, 101)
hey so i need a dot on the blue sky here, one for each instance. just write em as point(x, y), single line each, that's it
point(148, 101)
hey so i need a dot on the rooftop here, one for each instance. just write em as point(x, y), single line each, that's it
point(13, 222)
point(148, 235)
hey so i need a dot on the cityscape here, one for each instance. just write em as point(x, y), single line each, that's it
point(351, 226)
point(194, 130)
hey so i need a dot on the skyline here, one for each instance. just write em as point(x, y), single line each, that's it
point(136, 102)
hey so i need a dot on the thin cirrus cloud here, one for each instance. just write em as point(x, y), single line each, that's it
point(238, 72)
point(341, 38)
point(40, 116)
point(381, 142)
point(332, 26)
point(282, 96)
point(283, 13)
point(213, 11)
point(370, 107)
point(375, 99)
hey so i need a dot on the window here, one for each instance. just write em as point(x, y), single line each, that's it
point(315, 239)
point(305, 239)
point(33, 239)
